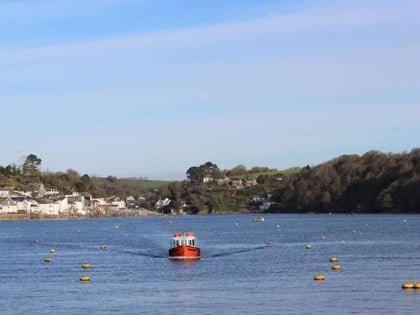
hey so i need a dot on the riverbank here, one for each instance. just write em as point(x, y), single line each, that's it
point(38, 216)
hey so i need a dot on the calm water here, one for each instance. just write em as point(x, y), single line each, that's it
point(238, 274)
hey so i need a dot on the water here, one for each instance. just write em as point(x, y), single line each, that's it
point(238, 274)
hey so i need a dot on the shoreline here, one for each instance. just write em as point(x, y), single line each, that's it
point(30, 217)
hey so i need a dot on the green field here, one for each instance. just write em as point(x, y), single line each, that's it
point(143, 183)
point(286, 172)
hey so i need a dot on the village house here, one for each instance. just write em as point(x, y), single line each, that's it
point(161, 203)
point(51, 193)
point(25, 204)
point(76, 204)
point(207, 179)
point(8, 206)
point(250, 183)
point(4, 193)
point(49, 207)
point(223, 181)
point(36, 190)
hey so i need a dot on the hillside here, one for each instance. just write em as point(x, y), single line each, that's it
point(372, 182)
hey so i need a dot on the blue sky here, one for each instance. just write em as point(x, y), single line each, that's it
point(153, 87)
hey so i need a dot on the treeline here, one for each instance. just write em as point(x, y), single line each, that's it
point(18, 177)
point(373, 182)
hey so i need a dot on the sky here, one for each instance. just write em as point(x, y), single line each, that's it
point(149, 88)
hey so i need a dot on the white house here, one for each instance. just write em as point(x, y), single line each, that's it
point(27, 205)
point(49, 207)
point(207, 179)
point(223, 181)
point(162, 203)
point(51, 192)
point(76, 203)
point(4, 193)
point(117, 204)
point(7, 205)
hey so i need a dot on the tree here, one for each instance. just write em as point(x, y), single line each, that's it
point(238, 170)
point(195, 174)
point(31, 165)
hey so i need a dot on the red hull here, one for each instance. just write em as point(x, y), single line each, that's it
point(184, 252)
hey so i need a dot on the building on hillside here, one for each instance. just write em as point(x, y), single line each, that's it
point(26, 204)
point(4, 193)
point(36, 190)
point(223, 181)
point(48, 207)
point(162, 203)
point(250, 183)
point(76, 204)
point(207, 179)
point(237, 183)
point(51, 193)
point(8, 206)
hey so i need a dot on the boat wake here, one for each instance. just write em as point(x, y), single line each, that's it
point(235, 252)
point(152, 255)
point(165, 255)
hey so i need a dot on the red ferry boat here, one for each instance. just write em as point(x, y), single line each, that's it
point(184, 246)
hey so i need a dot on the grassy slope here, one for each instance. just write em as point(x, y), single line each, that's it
point(286, 172)
point(146, 184)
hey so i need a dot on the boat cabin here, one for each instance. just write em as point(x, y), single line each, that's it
point(180, 239)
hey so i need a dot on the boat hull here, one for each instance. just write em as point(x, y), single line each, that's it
point(184, 252)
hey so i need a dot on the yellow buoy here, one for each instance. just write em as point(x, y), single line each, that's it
point(408, 285)
point(85, 265)
point(48, 259)
point(333, 259)
point(52, 250)
point(416, 285)
point(85, 278)
point(336, 267)
point(319, 277)
point(308, 246)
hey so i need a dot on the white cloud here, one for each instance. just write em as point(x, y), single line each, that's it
point(312, 20)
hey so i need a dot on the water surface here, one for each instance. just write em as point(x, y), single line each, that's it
point(238, 273)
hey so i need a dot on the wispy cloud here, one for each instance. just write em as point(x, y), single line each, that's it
point(339, 75)
point(311, 20)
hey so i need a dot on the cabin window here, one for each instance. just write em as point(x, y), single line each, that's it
point(192, 242)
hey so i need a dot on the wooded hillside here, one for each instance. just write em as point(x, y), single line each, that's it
point(373, 182)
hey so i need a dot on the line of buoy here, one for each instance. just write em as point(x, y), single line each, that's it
point(336, 267)
point(411, 285)
point(319, 277)
point(85, 278)
point(85, 265)
point(48, 259)
point(52, 250)
point(308, 246)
